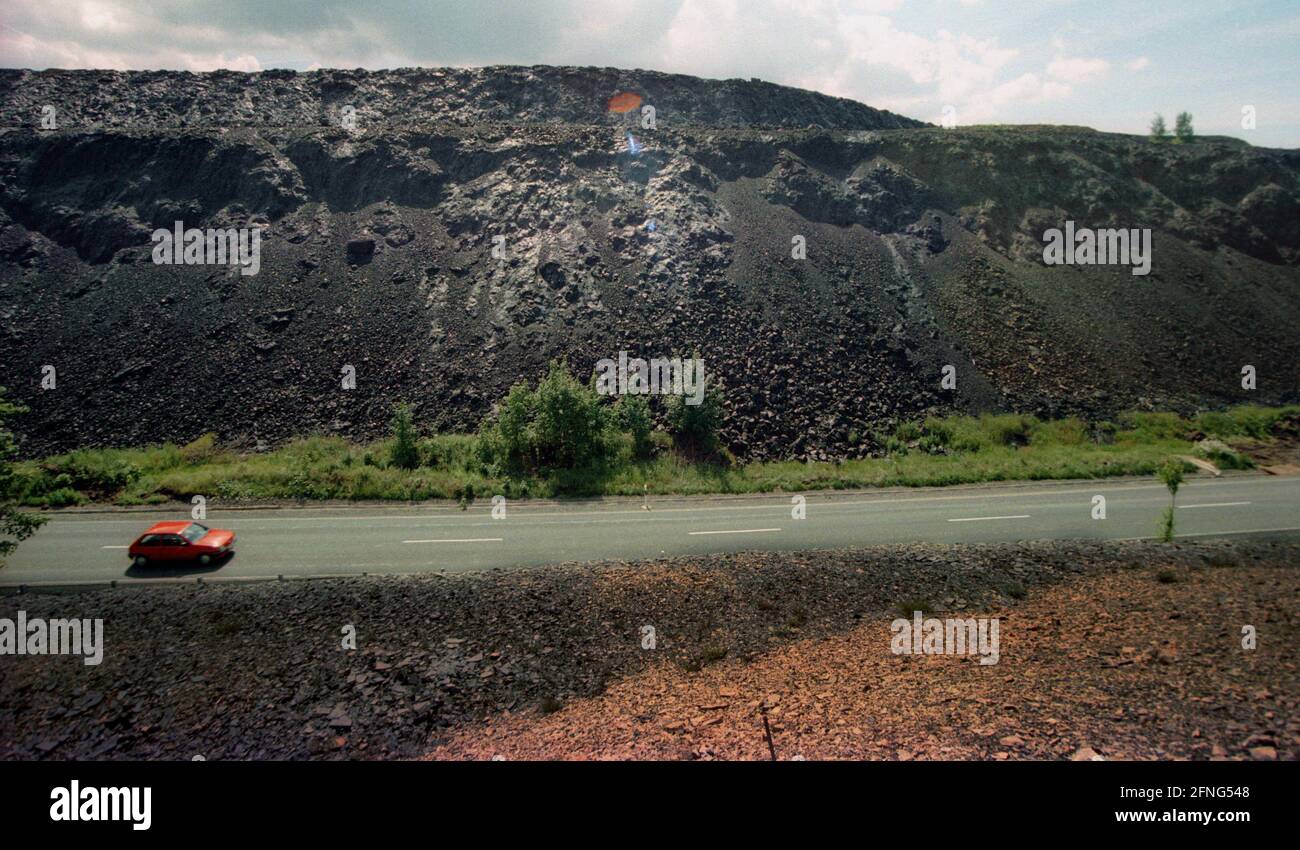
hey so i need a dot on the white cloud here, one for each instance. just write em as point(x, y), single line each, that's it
point(1139, 64)
point(858, 50)
point(989, 106)
point(1077, 69)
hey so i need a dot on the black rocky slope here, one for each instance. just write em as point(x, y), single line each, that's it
point(507, 94)
point(923, 249)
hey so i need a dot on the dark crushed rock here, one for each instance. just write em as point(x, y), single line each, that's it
point(257, 671)
point(537, 94)
point(923, 249)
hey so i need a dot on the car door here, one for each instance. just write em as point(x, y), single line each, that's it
point(150, 546)
point(174, 548)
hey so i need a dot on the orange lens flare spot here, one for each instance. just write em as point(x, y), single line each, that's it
point(624, 102)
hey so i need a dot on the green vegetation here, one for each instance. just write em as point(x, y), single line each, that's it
point(634, 417)
point(1171, 473)
point(560, 439)
point(1159, 133)
point(694, 427)
point(561, 425)
point(1183, 131)
point(403, 454)
point(15, 525)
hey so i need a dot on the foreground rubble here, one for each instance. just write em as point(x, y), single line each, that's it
point(1101, 653)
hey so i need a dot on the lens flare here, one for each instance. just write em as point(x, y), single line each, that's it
point(624, 101)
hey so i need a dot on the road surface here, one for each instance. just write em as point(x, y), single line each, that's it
point(323, 541)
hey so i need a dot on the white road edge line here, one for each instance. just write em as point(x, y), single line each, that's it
point(1214, 505)
point(114, 547)
point(459, 540)
point(1068, 487)
point(736, 531)
point(1206, 534)
point(982, 518)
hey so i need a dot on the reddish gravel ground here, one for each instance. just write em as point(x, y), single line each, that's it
point(1116, 666)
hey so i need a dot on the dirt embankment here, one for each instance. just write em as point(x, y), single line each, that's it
point(1097, 651)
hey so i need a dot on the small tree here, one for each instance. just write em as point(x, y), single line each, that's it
point(404, 454)
point(1171, 473)
point(695, 426)
point(634, 418)
point(14, 523)
point(560, 425)
point(1183, 127)
point(1159, 133)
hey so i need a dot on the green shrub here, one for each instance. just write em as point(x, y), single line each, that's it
point(428, 453)
point(94, 472)
point(894, 446)
point(1150, 427)
point(200, 449)
point(15, 525)
point(695, 426)
point(1222, 456)
point(64, 497)
point(560, 425)
point(1008, 429)
point(907, 432)
point(1058, 432)
point(1167, 525)
point(633, 412)
point(1103, 433)
point(1247, 420)
point(1171, 473)
point(403, 453)
point(939, 431)
point(932, 444)
point(661, 441)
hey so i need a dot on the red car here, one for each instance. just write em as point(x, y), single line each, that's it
point(181, 541)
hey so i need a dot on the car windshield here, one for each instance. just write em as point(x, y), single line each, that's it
point(194, 532)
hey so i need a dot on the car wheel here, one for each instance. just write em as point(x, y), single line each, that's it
point(141, 561)
point(205, 559)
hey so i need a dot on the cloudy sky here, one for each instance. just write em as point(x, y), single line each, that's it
point(1109, 64)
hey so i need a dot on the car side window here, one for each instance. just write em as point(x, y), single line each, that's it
point(176, 540)
point(150, 540)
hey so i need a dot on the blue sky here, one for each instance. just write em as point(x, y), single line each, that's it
point(1101, 63)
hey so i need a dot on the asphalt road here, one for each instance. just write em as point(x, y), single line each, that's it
point(296, 542)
